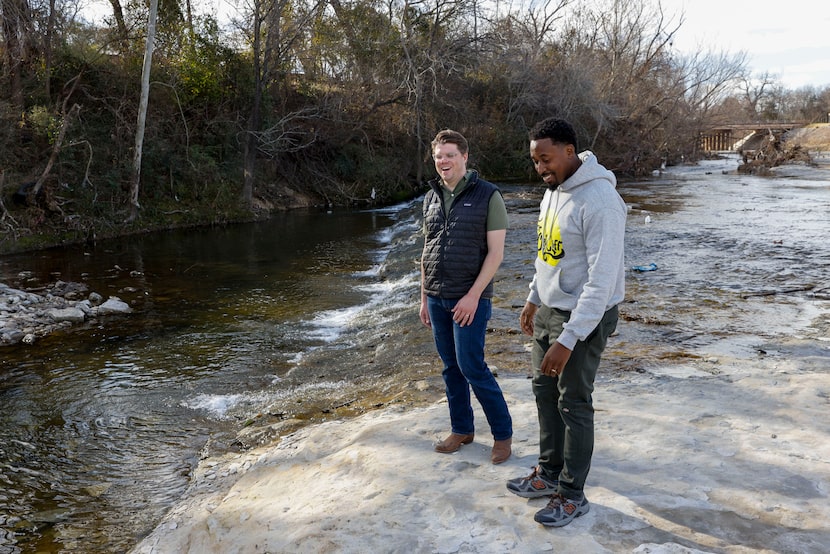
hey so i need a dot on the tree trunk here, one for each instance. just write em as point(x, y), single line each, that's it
point(56, 148)
point(189, 19)
point(55, 151)
point(254, 120)
point(135, 180)
point(16, 31)
point(120, 23)
point(47, 48)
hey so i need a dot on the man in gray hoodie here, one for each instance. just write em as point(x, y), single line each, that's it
point(570, 313)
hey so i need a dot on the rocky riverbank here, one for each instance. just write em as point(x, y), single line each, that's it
point(26, 316)
point(700, 387)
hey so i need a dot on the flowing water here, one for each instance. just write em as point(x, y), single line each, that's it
point(102, 424)
point(737, 255)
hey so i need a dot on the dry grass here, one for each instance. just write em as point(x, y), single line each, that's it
point(815, 137)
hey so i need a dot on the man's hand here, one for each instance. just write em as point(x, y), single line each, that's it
point(464, 310)
point(557, 356)
point(425, 313)
point(526, 318)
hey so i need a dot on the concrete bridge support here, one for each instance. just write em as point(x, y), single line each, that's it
point(717, 140)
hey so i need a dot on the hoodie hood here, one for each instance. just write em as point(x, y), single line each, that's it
point(590, 170)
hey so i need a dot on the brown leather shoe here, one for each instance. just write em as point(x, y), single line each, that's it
point(501, 451)
point(453, 443)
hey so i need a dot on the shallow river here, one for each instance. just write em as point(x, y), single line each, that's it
point(103, 424)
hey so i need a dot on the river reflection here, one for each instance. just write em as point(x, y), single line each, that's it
point(103, 424)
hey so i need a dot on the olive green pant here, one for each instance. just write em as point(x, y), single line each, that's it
point(564, 403)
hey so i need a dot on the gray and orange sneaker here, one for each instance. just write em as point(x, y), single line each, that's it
point(560, 511)
point(534, 485)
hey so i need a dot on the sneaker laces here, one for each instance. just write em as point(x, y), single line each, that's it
point(555, 501)
point(536, 473)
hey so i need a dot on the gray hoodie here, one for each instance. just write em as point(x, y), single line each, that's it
point(579, 262)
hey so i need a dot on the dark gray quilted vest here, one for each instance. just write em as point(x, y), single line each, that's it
point(456, 245)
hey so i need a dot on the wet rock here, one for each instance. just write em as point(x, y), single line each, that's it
point(69, 291)
point(72, 315)
point(114, 305)
point(13, 336)
point(26, 316)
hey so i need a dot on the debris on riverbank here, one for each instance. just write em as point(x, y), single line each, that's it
point(26, 316)
point(773, 152)
point(804, 145)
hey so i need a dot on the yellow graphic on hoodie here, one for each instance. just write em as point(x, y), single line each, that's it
point(549, 238)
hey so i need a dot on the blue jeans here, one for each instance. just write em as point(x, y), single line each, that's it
point(462, 351)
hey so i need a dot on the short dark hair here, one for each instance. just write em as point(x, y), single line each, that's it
point(448, 136)
point(557, 130)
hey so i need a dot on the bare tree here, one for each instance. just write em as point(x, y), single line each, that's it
point(649, 91)
point(67, 117)
point(804, 104)
point(755, 90)
point(524, 39)
point(18, 33)
point(705, 82)
point(120, 23)
point(275, 27)
point(47, 48)
point(432, 53)
point(135, 179)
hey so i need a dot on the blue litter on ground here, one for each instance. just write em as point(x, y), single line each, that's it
point(650, 267)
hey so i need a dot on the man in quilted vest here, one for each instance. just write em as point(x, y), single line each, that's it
point(465, 224)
